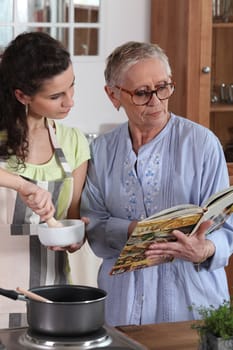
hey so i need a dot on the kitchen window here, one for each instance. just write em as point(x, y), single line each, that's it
point(76, 23)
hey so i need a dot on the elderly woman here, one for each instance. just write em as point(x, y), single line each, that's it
point(152, 162)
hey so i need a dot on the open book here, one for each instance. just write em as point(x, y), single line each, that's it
point(158, 227)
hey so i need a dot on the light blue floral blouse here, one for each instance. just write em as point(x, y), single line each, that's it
point(183, 164)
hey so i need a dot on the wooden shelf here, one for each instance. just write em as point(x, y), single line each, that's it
point(221, 107)
point(222, 25)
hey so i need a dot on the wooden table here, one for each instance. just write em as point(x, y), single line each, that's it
point(164, 336)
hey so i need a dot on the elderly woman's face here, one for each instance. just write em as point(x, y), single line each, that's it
point(146, 75)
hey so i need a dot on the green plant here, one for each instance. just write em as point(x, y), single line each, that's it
point(215, 320)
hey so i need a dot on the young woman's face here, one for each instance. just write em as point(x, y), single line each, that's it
point(55, 98)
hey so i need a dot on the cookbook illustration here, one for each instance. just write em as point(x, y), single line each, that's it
point(158, 228)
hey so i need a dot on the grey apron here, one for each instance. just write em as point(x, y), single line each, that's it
point(23, 260)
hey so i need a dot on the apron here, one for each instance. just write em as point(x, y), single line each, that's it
point(23, 260)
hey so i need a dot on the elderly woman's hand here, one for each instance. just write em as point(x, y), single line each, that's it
point(195, 248)
point(70, 248)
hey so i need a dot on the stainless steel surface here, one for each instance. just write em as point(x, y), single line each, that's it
point(96, 339)
point(115, 340)
point(206, 70)
point(226, 93)
point(223, 93)
point(230, 93)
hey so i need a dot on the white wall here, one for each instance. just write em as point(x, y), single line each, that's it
point(124, 20)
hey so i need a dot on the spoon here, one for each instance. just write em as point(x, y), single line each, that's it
point(52, 222)
point(32, 295)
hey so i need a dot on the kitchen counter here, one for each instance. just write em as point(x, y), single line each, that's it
point(164, 336)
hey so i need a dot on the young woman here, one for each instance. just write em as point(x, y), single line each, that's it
point(37, 87)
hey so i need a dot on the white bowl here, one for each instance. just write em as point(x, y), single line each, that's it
point(72, 232)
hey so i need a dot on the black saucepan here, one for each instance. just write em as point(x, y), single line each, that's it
point(74, 309)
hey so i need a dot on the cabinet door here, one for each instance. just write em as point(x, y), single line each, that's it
point(183, 28)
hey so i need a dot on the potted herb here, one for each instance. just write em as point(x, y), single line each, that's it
point(215, 327)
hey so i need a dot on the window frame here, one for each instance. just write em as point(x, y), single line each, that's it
point(19, 27)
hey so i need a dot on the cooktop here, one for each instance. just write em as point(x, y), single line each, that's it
point(106, 338)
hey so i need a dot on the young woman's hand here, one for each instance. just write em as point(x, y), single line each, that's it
point(36, 198)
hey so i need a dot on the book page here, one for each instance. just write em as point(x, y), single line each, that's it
point(170, 211)
point(217, 196)
point(218, 212)
point(146, 232)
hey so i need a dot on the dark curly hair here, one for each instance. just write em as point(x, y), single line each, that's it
point(27, 61)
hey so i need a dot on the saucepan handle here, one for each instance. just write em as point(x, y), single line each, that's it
point(12, 294)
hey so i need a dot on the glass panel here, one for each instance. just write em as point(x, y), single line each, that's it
point(6, 35)
point(57, 11)
point(57, 33)
point(21, 11)
point(62, 11)
point(62, 34)
point(86, 11)
point(39, 10)
point(6, 13)
point(86, 41)
point(42, 11)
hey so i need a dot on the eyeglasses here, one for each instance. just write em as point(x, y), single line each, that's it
point(142, 97)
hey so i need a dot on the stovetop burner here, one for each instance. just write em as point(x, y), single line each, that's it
point(97, 339)
point(107, 338)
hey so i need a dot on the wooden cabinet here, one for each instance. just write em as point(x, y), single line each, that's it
point(183, 28)
point(221, 115)
point(201, 56)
